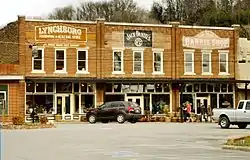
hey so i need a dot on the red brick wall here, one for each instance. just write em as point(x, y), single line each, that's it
point(9, 43)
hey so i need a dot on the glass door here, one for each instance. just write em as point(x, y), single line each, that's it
point(63, 107)
point(200, 101)
point(138, 100)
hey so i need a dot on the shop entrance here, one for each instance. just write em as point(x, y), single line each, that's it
point(63, 106)
point(137, 99)
point(199, 102)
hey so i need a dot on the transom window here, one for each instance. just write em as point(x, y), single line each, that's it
point(38, 60)
point(158, 62)
point(82, 61)
point(223, 61)
point(117, 61)
point(60, 60)
point(189, 62)
point(138, 61)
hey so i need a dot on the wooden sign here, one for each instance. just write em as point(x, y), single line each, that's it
point(64, 32)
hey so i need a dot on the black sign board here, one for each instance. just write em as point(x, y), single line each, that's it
point(137, 38)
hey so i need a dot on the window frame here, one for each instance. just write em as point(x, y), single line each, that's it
point(162, 65)
point(142, 62)
point(5, 100)
point(208, 52)
point(86, 61)
point(64, 60)
point(122, 61)
point(224, 52)
point(188, 51)
point(42, 65)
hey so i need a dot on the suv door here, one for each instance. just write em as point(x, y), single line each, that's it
point(247, 112)
point(104, 111)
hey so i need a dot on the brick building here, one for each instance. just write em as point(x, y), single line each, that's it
point(70, 66)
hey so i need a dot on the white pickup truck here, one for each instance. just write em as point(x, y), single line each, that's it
point(240, 116)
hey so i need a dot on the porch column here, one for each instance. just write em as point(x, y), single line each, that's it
point(246, 84)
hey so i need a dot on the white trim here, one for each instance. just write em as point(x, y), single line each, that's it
point(86, 61)
point(206, 27)
point(122, 62)
point(142, 62)
point(3, 77)
point(59, 21)
point(208, 52)
point(118, 49)
point(192, 54)
point(65, 61)
point(139, 49)
point(161, 72)
point(224, 52)
point(42, 65)
point(137, 24)
point(157, 49)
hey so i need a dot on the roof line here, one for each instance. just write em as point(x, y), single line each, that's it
point(60, 21)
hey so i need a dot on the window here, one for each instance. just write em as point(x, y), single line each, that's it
point(117, 61)
point(138, 62)
point(60, 60)
point(248, 106)
point(4, 99)
point(189, 62)
point(223, 62)
point(158, 62)
point(38, 61)
point(241, 105)
point(206, 62)
point(82, 61)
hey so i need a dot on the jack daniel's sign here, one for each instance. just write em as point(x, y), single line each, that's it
point(137, 38)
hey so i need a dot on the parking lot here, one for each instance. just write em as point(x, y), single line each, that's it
point(140, 141)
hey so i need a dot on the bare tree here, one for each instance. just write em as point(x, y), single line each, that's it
point(65, 13)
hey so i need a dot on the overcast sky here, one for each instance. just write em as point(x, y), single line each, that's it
point(11, 8)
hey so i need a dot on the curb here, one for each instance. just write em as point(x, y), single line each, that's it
point(239, 148)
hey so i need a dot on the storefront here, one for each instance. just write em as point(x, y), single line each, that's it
point(154, 98)
point(212, 95)
point(66, 100)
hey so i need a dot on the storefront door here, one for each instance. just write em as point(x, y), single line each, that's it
point(63, 106)
point(199, 102)
point(138, 100)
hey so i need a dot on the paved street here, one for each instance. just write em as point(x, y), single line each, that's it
point(141, 141)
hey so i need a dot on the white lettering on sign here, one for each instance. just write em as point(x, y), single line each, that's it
point(137, 34)
point(206, 40)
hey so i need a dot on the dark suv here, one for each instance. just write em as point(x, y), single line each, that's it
point(119, 111)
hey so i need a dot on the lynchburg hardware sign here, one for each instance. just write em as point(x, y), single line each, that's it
point(61, 32)
point(137, 38)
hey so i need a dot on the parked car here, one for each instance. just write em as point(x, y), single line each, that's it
point(119, 111)
point(240, 116)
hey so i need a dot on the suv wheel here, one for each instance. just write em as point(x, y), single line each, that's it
point(224, 122)
point(120, 118)
point(132, 120)
point(92, 119)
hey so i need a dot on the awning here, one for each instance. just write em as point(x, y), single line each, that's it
point(10, 77)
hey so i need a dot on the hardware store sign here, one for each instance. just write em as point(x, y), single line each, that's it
point(137, 38)
point(61, 32)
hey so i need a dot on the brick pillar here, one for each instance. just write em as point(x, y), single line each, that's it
point(21, 97)
point(99, 46)
point(174, 62)
point(100, 90)
point(235, 62)
point(21, 44)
